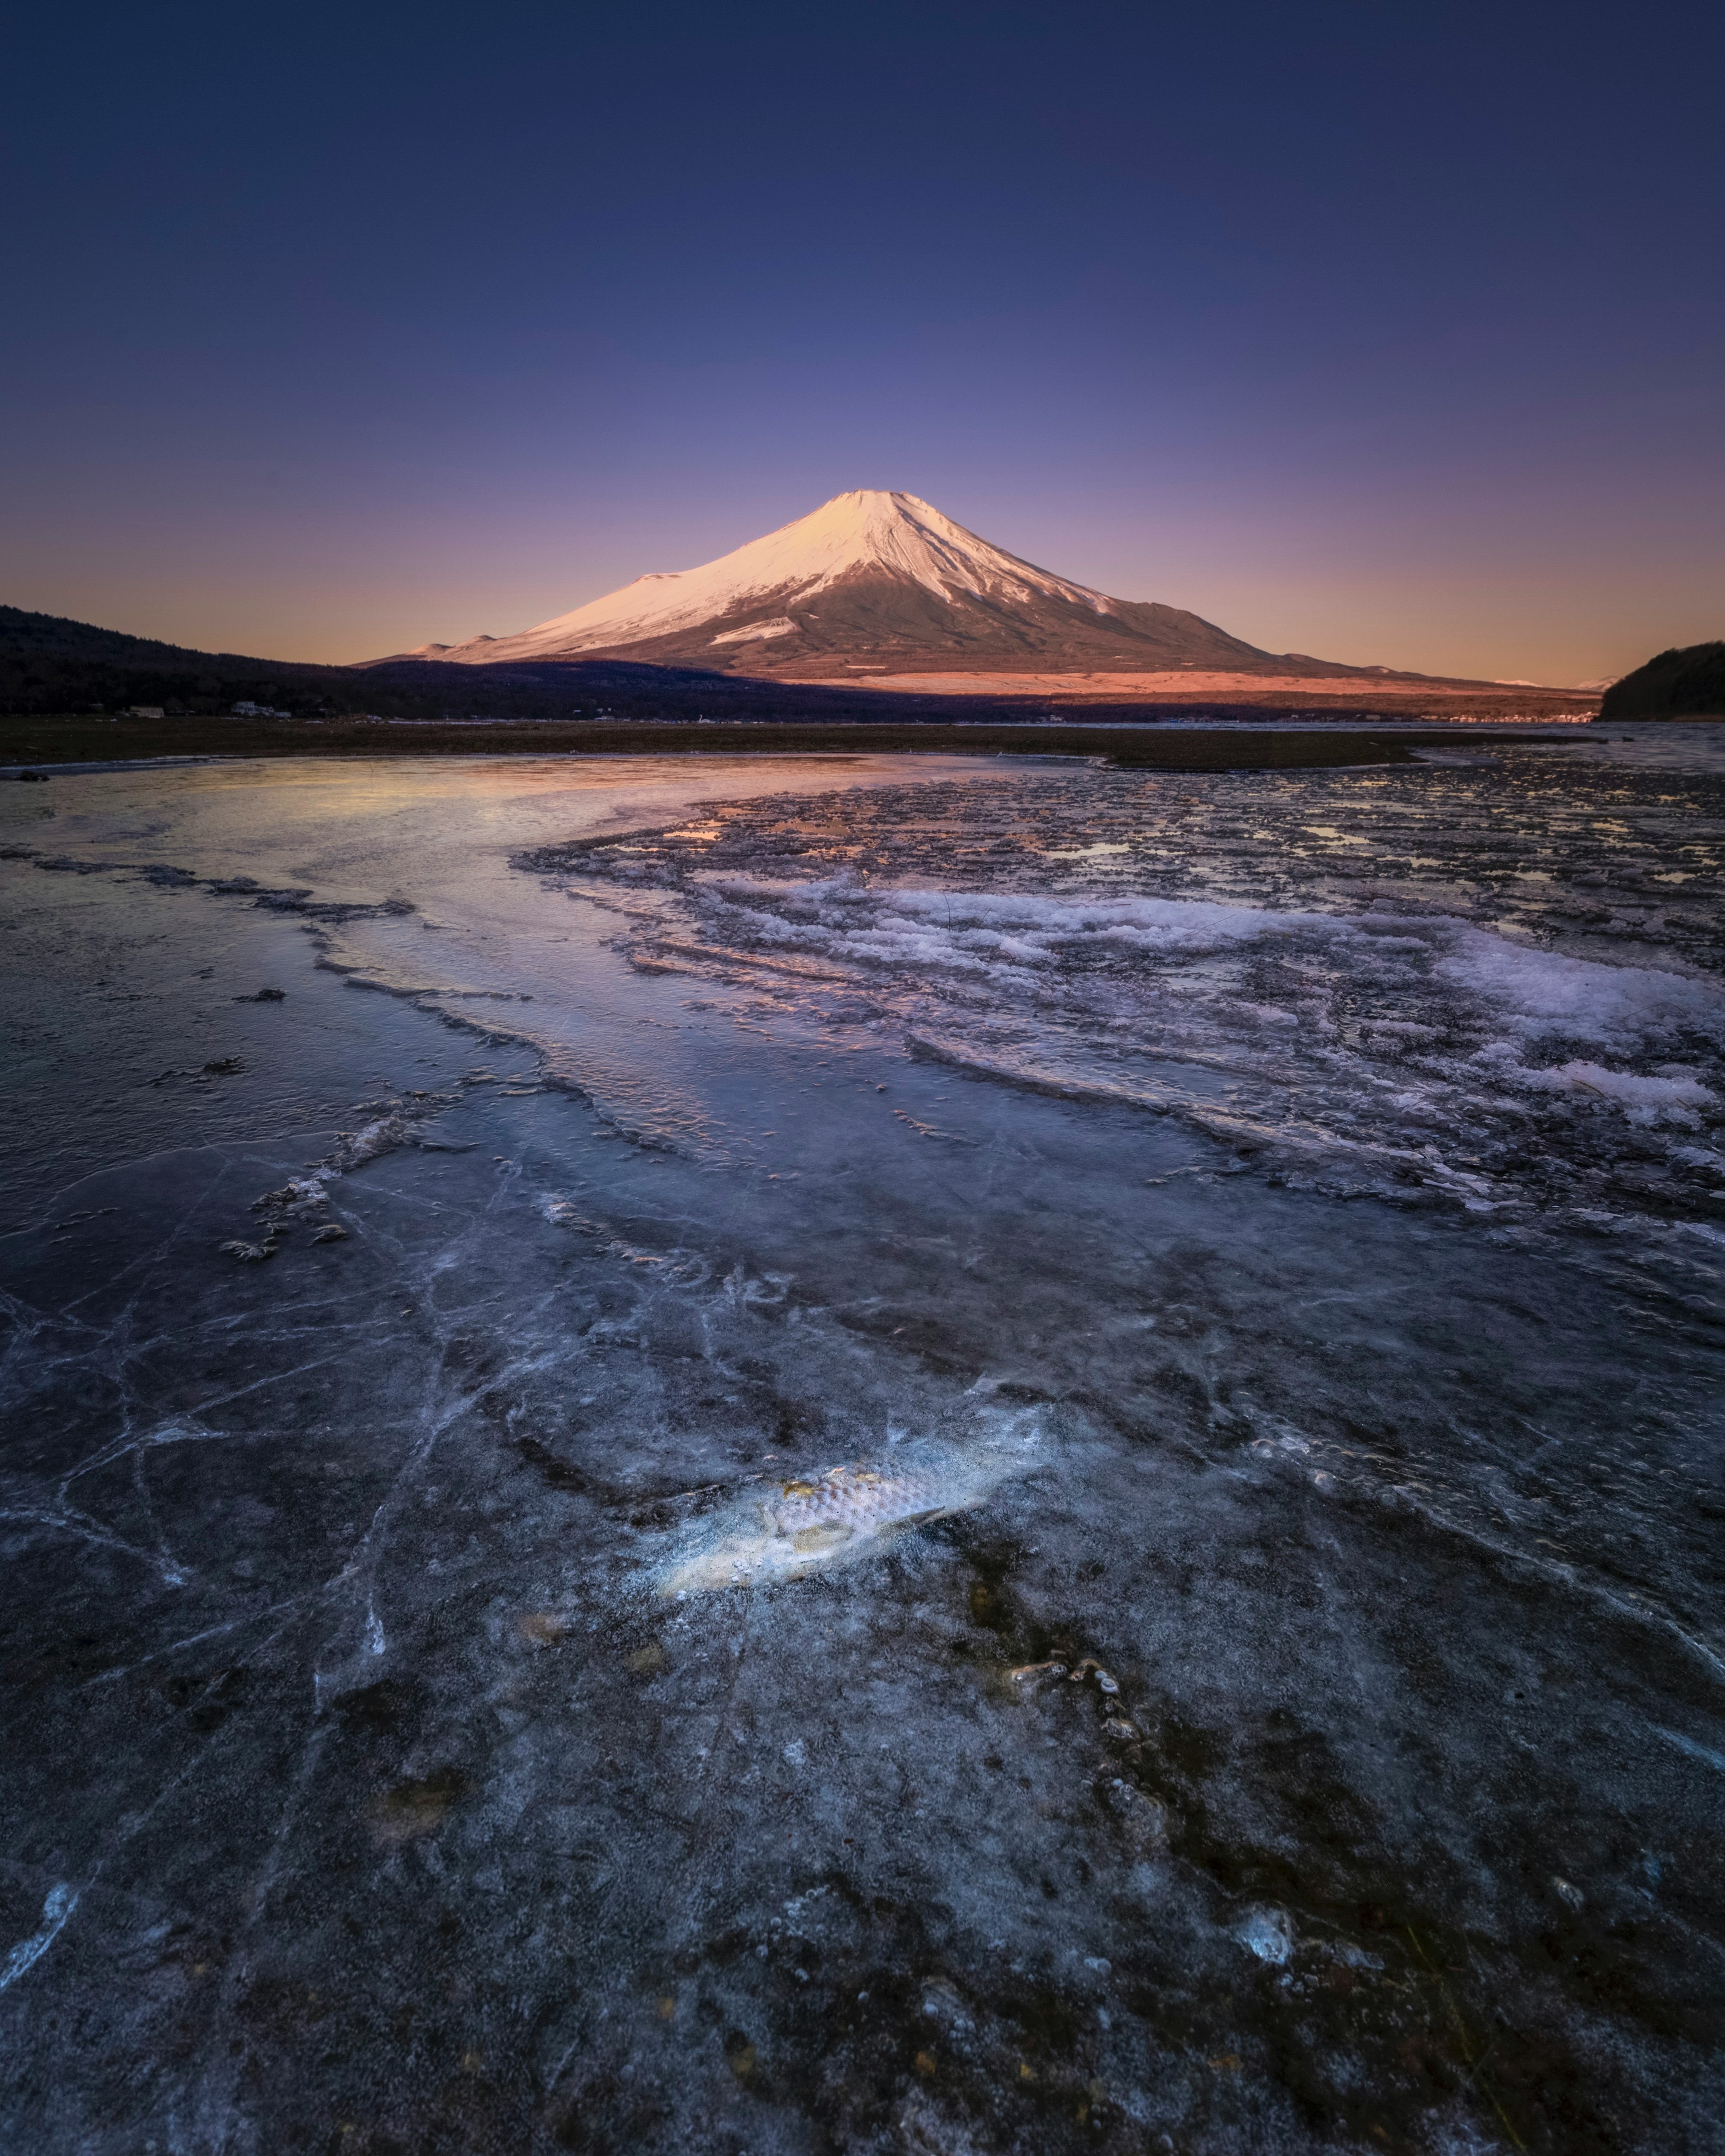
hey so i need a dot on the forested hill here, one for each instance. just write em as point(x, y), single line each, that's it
point(50, 635)
point(48, 664)
point(1681, 684)
point(51, 664)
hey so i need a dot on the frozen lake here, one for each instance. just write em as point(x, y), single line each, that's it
point(881, 1454)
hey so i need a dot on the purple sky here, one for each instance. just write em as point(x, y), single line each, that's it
point(1392, 341)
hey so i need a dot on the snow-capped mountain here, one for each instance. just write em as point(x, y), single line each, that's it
point(874, 582)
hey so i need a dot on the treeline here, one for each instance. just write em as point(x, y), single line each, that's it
point(29, 686)
point(40, 685)
point(50, 665)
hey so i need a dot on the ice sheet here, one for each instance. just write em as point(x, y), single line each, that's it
point(1314, 1730)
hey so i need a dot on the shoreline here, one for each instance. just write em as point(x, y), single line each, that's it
point(70, 745)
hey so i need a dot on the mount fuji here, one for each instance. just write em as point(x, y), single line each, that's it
point(877, 583)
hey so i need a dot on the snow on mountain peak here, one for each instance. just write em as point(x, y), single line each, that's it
point(867, 532)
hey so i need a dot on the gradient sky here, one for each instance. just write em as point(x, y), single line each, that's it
point(1394, 336)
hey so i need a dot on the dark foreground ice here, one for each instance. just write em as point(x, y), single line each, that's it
point(888, 1456)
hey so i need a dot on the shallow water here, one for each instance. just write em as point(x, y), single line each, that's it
point(994, 1456)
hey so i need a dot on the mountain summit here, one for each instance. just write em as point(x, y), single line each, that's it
point(873, 581)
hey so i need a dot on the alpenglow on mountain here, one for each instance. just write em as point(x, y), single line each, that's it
point(875, 582)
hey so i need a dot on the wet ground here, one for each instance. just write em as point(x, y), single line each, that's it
point(1255, 1682)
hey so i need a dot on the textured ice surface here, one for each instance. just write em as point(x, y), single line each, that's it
point(1461, 984)
point(1311, 1741)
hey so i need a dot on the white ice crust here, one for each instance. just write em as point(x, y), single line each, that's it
point(1029, 950)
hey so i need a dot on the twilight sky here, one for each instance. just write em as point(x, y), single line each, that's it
point(1393, 335)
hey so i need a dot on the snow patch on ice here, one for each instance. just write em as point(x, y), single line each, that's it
point(1679, 1100)
point(1578, 996)
point(1014, 936)
point(977, 931)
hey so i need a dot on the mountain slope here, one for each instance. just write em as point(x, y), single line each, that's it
point(1688, 682)
point(881, 581)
